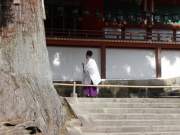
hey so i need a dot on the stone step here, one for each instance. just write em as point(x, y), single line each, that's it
point(130, 129)
point(134, 122)
point(128, 110)
point(137, 133)
point(125, 116)
point(134, 116)
point(126, 105)
point(126, 100)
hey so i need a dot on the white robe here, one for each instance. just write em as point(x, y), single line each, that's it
point(91, 72)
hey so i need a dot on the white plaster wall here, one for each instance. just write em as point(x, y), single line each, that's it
point(165, 35)
point(170, 61)
point(138, 34)
point(112, 33)
point(66, 62)
point(130, 64)
point(178, 36)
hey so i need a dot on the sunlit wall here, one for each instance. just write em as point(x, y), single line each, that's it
point(170, 61)
point(130, 64)
point(66, 62)
point(120, 63)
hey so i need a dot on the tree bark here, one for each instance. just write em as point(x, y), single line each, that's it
point(26, 91)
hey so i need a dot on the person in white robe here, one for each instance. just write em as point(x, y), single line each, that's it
point(90, 75)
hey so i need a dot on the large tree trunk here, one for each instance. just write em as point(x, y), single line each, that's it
point(27, 95)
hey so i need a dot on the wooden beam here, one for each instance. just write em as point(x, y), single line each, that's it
point(158, 62)
point(69, 42)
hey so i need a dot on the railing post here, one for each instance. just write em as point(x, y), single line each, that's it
point(74, 94)
point(69, 33)
point(158, 36)
point(130, 36)
point(174, 35)
point(74, 90)
point(147, 92)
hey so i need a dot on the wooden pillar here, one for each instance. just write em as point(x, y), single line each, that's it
point(149, 5)
point(152, 11)
point(152, 6)
point(145, 5)
point(123, 32)
point(174, 35)
point(158, 62)
point(103, 62)
point(148, 33)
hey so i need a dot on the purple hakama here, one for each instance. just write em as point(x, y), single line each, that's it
point(90, 91)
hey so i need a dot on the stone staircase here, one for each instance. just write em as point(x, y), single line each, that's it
point(125, 116)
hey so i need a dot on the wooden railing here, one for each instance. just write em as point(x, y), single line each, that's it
point(114, 35)
point(141, 87)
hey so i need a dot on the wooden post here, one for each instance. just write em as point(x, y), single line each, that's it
point(174, 35)
point(123, 33)
point(152, 6)
point(148, 33)
point(145, 5)
point(147, 93)
point(158, 36)
point(74, 89)
point(158, 62)
point(152, 11)
point(74, 94)
point(103, 62)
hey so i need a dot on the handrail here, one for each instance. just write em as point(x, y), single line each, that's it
point(112, 86)
point(115, 86)
point(114, 34)
point(56, 30)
